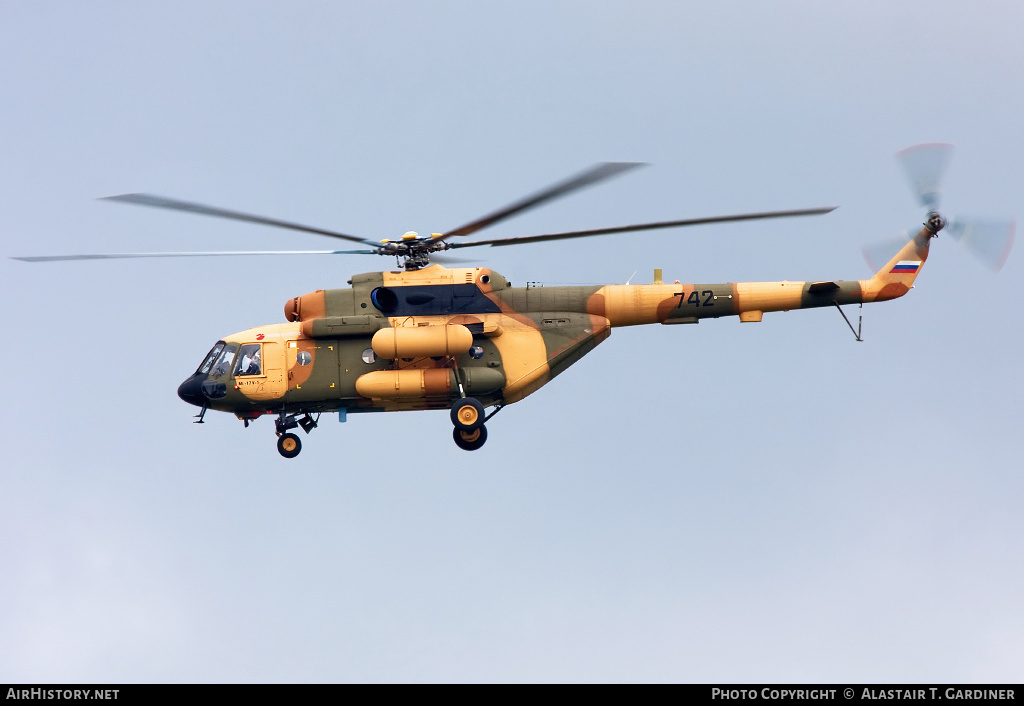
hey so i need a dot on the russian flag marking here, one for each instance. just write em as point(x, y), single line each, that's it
point(906, 267)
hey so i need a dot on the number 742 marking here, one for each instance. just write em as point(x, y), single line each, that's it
point(694, 298)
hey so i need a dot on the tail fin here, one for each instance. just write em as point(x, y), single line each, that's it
point(897, 276)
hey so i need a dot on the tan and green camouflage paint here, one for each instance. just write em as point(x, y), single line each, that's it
point(533, 335)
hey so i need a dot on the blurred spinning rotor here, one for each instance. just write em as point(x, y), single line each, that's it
point(988, 239)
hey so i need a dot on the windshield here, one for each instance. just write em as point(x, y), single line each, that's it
point(223, 365)
point(210, 357)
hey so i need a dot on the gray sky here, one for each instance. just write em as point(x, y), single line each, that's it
point(721, 502)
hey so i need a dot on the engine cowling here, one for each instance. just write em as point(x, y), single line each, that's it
point(340, 326)
point(307, 307)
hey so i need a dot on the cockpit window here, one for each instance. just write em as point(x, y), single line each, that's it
point(223, 365)
point(248, 360)
point(210, 357)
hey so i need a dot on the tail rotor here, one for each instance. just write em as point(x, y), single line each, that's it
point(925, 165)
point(989, 240)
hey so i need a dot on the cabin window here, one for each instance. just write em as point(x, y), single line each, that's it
point(210, 357)
point(249, 360)
point(304, 358)
point(369, 356)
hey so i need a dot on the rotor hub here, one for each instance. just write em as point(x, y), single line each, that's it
point(935, 222)
point(412, 252)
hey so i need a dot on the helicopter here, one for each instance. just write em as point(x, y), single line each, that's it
point(425, 336)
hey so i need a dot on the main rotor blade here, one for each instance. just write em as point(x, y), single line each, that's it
point(174, 205)
point(645, 226)
point(119, 256)
point(449, 260)
point(599, 172)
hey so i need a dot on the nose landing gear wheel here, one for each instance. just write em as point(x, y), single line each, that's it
point(288, 445)
point(470, 440)
point(467, 414)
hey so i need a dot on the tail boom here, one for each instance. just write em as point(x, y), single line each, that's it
point(630, 305)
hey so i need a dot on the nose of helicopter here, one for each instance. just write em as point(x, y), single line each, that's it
point(191, 390)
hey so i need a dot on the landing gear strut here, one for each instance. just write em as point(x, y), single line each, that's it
point(288, 445)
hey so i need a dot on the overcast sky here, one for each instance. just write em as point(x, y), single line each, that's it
point(722, 502)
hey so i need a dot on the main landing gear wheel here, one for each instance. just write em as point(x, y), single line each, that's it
point(288, 445)
point(467, 414)
point(470, 440)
